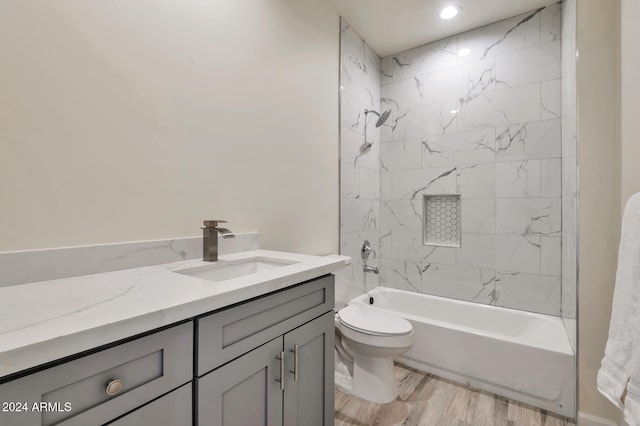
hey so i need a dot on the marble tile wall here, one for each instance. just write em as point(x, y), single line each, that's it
point(487, 125)
point(359, 169)
point(569, 170)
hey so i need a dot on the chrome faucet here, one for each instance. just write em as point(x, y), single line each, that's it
point(210, 239)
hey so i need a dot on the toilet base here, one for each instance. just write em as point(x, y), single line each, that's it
point(344, 371)
point(373, 378)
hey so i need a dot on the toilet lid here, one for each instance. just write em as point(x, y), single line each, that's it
point(373, 321)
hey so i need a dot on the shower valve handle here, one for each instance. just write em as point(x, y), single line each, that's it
point(366, 250)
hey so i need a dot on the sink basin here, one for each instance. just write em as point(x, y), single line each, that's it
point(222, 271)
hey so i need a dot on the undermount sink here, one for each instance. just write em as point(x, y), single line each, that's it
point(222, 271)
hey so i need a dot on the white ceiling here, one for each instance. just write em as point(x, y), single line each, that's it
point(391, 26)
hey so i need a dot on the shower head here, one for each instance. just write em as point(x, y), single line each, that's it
point(381, 117)
point(385, 115)
point(366, 146)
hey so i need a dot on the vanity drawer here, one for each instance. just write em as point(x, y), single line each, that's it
point(227, 334)
point(76, 392)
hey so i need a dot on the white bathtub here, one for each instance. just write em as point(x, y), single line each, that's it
point(520, 355)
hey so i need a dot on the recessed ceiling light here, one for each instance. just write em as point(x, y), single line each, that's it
point(454, 111)
point(464, 51)
point(449, 12)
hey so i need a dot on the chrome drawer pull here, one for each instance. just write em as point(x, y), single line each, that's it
point(281, 380)
point(114, 386)
point(295, 362)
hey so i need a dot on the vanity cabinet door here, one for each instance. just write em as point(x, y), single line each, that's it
point(173, 409)
point(245, 391)
point(309, 392)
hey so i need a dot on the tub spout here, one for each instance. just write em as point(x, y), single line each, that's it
point(368, 268)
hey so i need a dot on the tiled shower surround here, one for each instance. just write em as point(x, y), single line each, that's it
point(359, 170)
point(486, 125)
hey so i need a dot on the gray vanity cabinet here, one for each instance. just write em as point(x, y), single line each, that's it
point(266, 361)
point(287, 379)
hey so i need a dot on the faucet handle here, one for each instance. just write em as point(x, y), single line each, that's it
point(366, 249)
point(213, 223)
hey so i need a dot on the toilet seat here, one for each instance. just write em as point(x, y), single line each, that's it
point(373, 322)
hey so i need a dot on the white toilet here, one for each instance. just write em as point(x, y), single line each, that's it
point(367, 339)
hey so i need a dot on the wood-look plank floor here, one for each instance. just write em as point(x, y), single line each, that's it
point(428, 400)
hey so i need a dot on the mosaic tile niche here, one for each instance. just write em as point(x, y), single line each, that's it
point(442, 219)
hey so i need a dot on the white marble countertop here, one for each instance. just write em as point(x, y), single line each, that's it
point(47, 320)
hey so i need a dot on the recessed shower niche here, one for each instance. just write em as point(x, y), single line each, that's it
point(442, 220)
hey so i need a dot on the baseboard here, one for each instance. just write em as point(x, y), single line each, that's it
point(585, 419)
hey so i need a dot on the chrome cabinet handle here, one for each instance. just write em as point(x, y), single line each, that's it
point(295, 362)
point(281, 380)
point(114, 386)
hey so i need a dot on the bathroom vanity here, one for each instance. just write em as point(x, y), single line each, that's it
point(260, 344)
point(272, 355)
